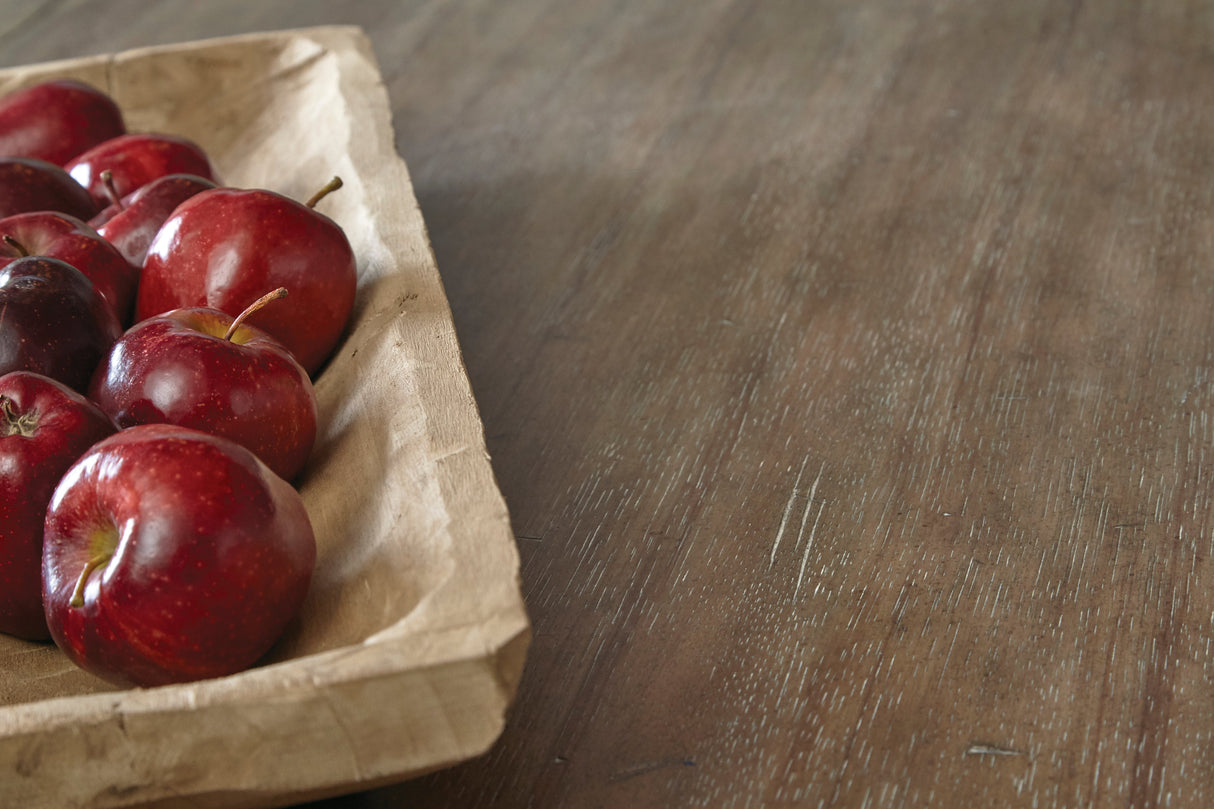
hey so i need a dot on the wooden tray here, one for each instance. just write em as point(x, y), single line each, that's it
point(412, 640)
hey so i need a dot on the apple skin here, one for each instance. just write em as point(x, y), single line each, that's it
point(55, 323)
point(27, 184)
point(177, 368)
point(46, 233)
point(57, 120)
point(130, 228)
point(44, 428)
point(225, 247)
point(212, 556)
point(134, 160)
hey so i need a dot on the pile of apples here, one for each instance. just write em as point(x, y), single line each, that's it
point(156, 401)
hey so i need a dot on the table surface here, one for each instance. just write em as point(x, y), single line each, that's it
point(846, 369)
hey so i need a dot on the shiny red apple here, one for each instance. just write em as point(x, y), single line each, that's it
point(57, 120)
point(202, 368)
point(45, 233)
point(27, 184)
point(171, 555)
point(223, 248)
point(53, 321)
point(44, 428)
point(131, 223)
point(133, 161)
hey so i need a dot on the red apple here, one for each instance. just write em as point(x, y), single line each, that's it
point(134, 161)
point(44, 428)
point(201, 368)
point(53, 321)
point(130, 224)
point(45, 233)
point(222, 248)
point(27, 184)
point(171, 555)
point(57, 120)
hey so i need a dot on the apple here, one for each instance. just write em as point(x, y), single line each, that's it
point(172, 555)
point(27, 184)
point(61, 236)
point(202, 368)
point(53, 321)
point(130, 223)
point(224, 247)
point(57, 120)
point(133, 161)
point(44, 428)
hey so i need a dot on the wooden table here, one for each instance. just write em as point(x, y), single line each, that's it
point(846, 367)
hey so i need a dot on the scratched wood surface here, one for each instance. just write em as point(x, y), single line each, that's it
point(846, 367)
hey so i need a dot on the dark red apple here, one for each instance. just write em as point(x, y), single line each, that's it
point(135, 160)
point(131, 223)
point(201, 368)
point(57, 120)
point(222, 248)
point(171, 555)
point(27, 184)
point(44, 428)
point(53, 321)
point(45, 233)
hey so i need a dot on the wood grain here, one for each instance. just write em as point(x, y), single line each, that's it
point(846, 369)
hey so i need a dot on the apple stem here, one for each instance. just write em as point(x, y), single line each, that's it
point(281, 292)
point(23, 424)
point(107, 182)
point(16, 245)
point(329, 188)
point(97, 561)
